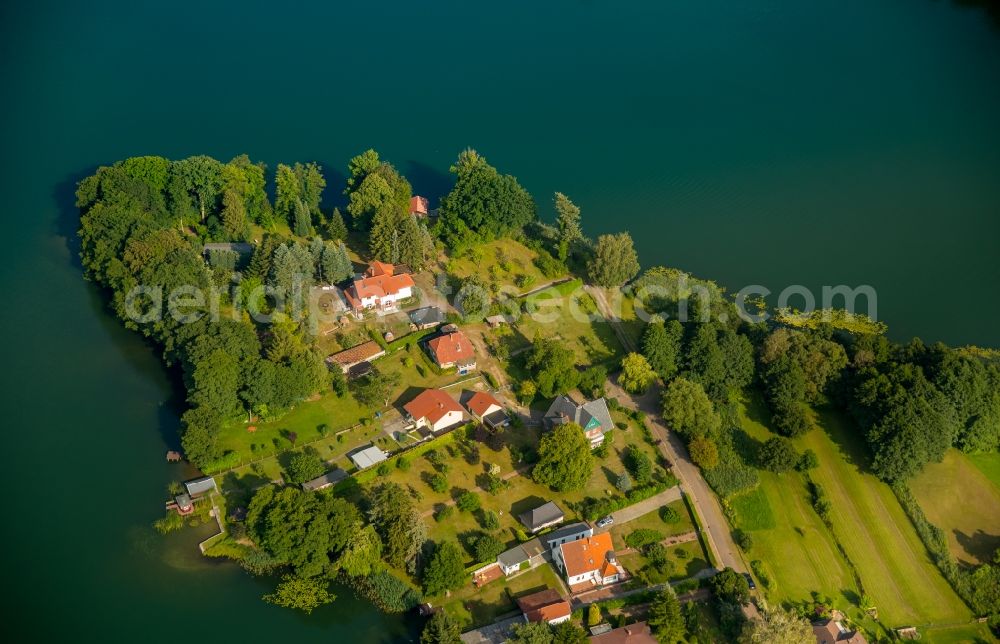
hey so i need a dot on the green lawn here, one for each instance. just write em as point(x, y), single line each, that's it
point(684, 560)
point(988, 464)
point(271, 440)
point(959, 498)
point(556, 313)
point(466, 472)
point(479, 606)
point(962, 634)
point(879, 538)
point(487, 261)
point(796, 548)
point(652, 521)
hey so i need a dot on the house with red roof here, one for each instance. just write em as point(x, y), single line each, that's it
point(545, 606)
point(380, 289)
point(435, 410)
point(453, 349)
point(588, 562)
point(485, 408)
point(419, 206)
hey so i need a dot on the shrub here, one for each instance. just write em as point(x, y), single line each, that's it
point(743, 539)
point(403, 464)
point(443, 513)
point(808, 461)
point(669, 514)
point(593, 615)
point(384, 469)
point(386, 591)
point(657, 554)
point(439, 483)
point(643, 537)
point(491, 520)
point(469, 502)
point(487, 547)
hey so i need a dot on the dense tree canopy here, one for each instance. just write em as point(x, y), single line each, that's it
point(564, 458)
point(688, 411)
point(553, 367)
point(301, 529)
point(398, 523)
point(614, 262)
point(483, 205)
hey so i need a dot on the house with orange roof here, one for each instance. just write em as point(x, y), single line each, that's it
point(435, 410)
point(545, 606)
point(453, 349)
point(419, 206)
point(380, 289)
point(588, 562)
point(485, 408)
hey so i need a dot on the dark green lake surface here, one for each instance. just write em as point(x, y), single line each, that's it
point(764, 141)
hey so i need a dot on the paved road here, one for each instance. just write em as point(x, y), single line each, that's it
point(642, 507)
point(717, 532)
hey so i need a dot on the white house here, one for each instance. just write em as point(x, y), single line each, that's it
point(380, 289)
point(588, 562)
point(435, 410)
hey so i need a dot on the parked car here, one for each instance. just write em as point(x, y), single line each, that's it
point(605, 522)
point(750, 581)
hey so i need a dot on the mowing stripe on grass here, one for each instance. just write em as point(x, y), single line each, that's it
point(876, 533)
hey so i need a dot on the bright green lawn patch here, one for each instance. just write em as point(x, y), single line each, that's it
point(964, 634)
point(753, 510)
point(958, 498)
point(652, 521)
point(879, 538)
point(796, 548)
point(479, 606)
point(988, 464)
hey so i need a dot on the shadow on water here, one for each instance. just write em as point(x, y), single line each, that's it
point(67, 221)
point(333, 194)
point(990, 7)
point(428, 181)
point(127, 343)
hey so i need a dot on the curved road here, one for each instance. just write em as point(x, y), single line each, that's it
point(717, 532)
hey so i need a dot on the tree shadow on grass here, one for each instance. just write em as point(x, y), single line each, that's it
point(846, 435)
point(980, 545)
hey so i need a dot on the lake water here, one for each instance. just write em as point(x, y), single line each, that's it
point(773, 142)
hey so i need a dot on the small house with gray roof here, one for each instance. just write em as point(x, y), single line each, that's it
point(544, 516)
point(594, 417)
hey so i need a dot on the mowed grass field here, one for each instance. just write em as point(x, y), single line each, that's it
point(796, 548)
point(895, 568)
point(988, 464)
point(958, 498)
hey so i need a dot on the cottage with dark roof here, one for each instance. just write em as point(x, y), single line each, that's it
point(565, 534)
point(544, 516)
point(427, 317)
point(594, 417)
point(322, 482)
